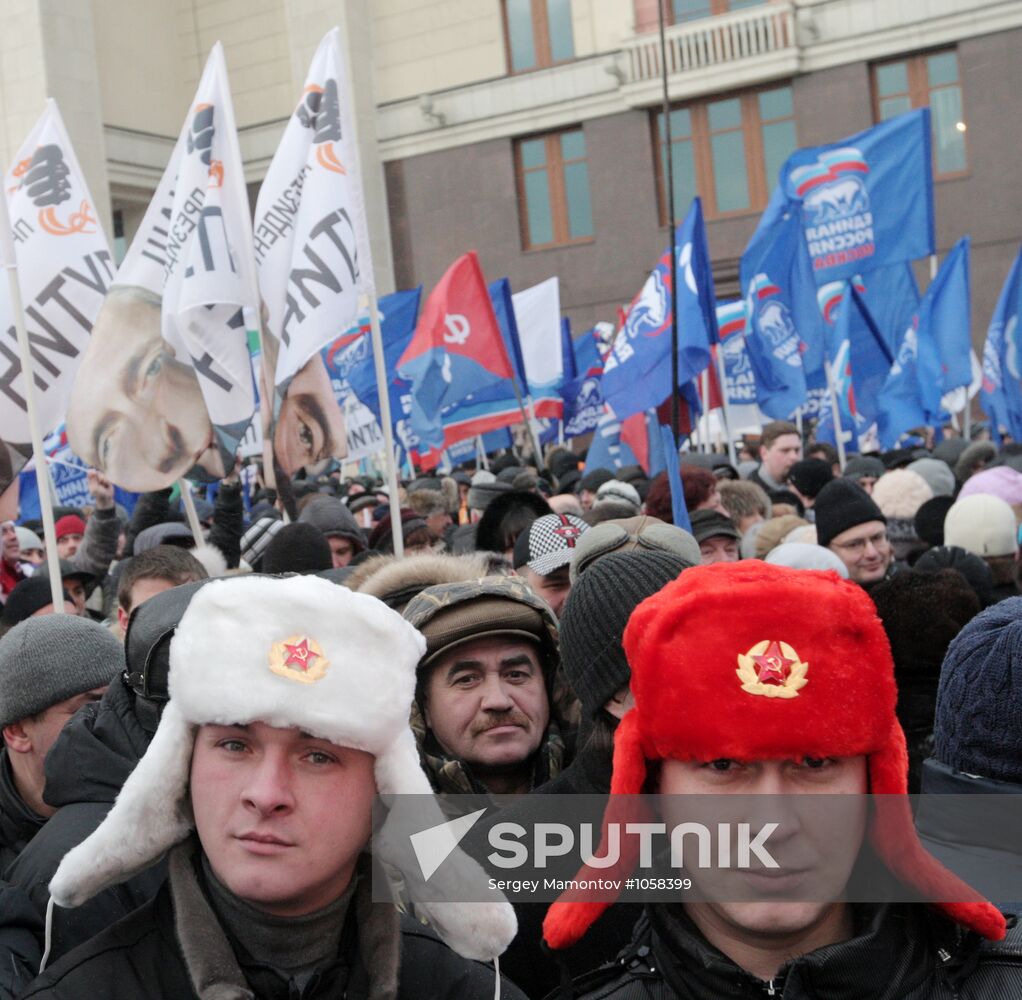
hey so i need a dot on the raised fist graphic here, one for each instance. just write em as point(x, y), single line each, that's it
point(321, 110)
point(46, 179)
point(200, 135)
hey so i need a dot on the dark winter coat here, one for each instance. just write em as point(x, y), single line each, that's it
point(980, 843)
point(906, 952)
point(18, 823)
point(174, 947)
point(228, 523)
point(85, 769)
point(526, 962)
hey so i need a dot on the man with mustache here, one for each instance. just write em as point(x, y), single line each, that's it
point(484, 712)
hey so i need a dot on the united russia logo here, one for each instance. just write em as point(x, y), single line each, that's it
point(836, 212)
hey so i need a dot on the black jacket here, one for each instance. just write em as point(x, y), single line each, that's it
point(527, 963)
point(85, 769)
point(18, 823)
point(905, 952)
point(143, 955)
point(977, 839)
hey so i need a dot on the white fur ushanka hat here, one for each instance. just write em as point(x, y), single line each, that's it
point(296, 652)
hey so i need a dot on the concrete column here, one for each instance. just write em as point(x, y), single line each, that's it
point(71, 76)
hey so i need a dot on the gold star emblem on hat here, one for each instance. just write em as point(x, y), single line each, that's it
point(772, 669)
point(299, 658)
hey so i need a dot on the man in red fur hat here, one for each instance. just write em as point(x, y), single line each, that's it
point(739, 691)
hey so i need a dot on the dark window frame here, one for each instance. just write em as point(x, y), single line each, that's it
point(540, 39)
point(759, 185)
point(553, 166)
point(717, 7)
point(918, 93)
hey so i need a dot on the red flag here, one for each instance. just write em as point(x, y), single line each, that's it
point(636, 436)
point(458, 319)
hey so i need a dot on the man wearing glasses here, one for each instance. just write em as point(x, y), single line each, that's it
point(850, 524)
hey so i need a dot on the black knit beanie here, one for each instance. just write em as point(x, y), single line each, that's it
point(297, 548)
point(810, 476)
point(929, 519)
point(840, 505)
point(595, 615)
point(979, 700)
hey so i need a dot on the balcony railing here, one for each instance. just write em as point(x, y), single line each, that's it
point(714, 41)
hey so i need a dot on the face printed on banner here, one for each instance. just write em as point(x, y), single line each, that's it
point(310, 425)
point(137, 413)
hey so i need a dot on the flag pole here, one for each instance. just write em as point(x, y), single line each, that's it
point(704, 428)
point(534, 440)
point(42, 472)
point(726, 406)
point(388, 428)
point(675, 400)
point(188, 502)
point(835, 410)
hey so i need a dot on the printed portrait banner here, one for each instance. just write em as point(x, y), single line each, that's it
point(64, 268)
point(313, 259)
point(166, 389)
point(69, 476)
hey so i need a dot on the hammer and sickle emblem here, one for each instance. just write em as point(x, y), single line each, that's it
point(458, 329)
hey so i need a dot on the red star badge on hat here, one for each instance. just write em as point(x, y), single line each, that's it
point(299, 655)
point(772, 665)
point(299, 658)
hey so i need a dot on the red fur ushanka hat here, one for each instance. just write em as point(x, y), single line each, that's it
point(758, 662)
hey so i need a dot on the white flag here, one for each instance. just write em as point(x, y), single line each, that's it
point(166, 386)
point(538, 318)
point(64, 268)
point(312, 251)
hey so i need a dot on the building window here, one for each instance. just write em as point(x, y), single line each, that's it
point(728, 150)
point(693, 10)
point(931, 79)
point(538, 33)
point(553, 189)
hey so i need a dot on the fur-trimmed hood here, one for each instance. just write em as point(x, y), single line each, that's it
point(397, 581)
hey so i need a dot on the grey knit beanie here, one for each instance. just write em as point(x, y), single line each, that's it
point(334, 520)
point(596, 613)
point(979, 698)
point(49, 659)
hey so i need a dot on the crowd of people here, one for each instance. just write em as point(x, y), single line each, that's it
point(191, 751)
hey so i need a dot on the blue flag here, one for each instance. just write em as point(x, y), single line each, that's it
point(860, 364)
point(587, 355)
point(926, 366)
point(500, 296)
point(1001, 393)
point(349, 359)
point(901, 401)
point(866, 201)
point(637, 375)
point(583, 398)
point(784, 332)
point(891, 297)
point(605, 450)
point(949, 317)
point(567, 351)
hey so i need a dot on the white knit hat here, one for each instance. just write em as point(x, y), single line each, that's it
point(983, 525)
point(294, 652)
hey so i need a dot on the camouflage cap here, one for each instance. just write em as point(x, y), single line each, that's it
point(450, 614)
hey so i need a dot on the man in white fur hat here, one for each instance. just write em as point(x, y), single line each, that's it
point(288, 712)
